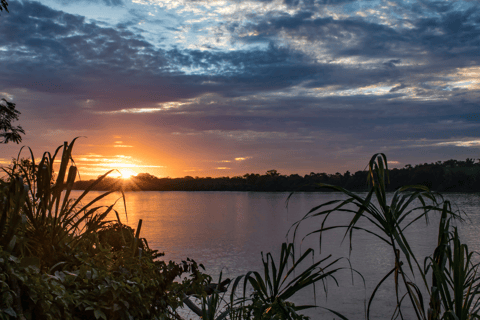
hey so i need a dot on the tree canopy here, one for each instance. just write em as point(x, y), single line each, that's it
point(8, 114)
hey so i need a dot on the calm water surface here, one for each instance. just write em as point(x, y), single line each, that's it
point(226, 231)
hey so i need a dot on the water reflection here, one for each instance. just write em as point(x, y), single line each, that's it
point(228, 230)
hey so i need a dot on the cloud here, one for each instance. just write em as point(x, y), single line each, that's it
point(58, 49)
point(283, 73)
point(466, 144)
point(105, 2)
point(445, 33)
point(80, 57)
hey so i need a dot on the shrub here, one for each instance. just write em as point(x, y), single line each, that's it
point(60, 259)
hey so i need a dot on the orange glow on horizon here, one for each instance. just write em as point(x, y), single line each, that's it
point(124, 173)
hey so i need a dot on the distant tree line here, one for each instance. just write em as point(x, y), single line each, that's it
point(446, 176)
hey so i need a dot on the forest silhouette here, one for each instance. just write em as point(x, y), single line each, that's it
point(443, 176)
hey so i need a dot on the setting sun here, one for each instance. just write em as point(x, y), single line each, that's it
point(126, 173)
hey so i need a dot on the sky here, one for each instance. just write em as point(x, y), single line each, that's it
point(228, 87)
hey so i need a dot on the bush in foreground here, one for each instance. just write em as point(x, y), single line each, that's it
point(61, 259)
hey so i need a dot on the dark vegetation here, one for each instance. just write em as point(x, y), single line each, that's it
point(60, 258)
point(9, 114)
point(446, 176)
point(3, 5)
point(443, 285)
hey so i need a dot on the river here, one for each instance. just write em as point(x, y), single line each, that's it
point(227, 231)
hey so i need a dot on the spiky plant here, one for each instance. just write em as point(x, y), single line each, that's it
point(54, 222)
point(279, 283)
point(390, 220)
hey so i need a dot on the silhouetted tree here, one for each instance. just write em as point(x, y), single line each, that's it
point(8, 114)
point(450, 163)
point(251, 178)
point(469, 162)
point(145, 176)
point(450, 175)
point(273, 173)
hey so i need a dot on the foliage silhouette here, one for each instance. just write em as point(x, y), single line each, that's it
point(451, 175)
point(455, 286)
point(8, 114)
point(3, 5)
point(61, 258)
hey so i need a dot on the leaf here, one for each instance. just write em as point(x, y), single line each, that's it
point(99, 314)
point(10, 312)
